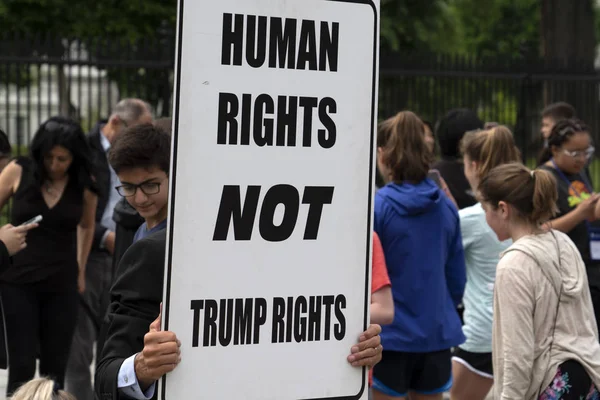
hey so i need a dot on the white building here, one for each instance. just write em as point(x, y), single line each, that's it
point(23, 109)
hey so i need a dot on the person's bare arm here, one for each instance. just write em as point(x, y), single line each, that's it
point(585, 210)
point(446, 190)
point(382, 306)
point(10, 178)
point(85, 234)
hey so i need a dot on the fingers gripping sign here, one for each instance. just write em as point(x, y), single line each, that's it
point(368, 351)
point(156, 324)
point(161, 354)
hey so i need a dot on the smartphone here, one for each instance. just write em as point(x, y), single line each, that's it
point(33, 220)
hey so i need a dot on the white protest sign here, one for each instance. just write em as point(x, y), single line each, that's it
point(267, 281)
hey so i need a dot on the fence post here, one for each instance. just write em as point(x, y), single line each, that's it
point(522, 126)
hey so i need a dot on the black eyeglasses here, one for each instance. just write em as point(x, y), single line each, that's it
point(147, 188)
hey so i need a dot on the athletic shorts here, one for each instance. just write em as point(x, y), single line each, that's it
point(478, 363)
point(424, 373)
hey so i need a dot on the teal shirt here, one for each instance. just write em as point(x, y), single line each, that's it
point(482, 253)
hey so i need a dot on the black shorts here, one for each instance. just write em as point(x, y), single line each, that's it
point(424, 373)
point(478, 363)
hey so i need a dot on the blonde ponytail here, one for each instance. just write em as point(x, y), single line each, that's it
point(490, 148)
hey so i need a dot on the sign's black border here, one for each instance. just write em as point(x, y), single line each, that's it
point(166, 301)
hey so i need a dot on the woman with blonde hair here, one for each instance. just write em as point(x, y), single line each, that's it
point(472, 361)
point(420, 233)
point(41, 389)
point(544, 337)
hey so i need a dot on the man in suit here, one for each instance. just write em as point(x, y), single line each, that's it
point(126, 113)
point(132, 326)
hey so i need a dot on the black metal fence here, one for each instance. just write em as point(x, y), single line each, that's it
point(510, 92)
point(83, 78)
point(79, 78)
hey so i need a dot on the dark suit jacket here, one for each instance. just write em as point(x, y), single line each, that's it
point(135, 302)
point(128, 221)
point(102, 181)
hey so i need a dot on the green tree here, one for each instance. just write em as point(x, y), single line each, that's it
point(418, 25)
point(501, 28)
point(85, 18)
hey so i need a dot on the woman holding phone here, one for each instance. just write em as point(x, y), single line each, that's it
point(40, 289)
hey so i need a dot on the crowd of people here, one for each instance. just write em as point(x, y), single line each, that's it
point(82, 261)
point(516, 249)
point(485, 273)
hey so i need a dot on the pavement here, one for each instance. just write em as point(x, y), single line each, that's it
point(4, 378)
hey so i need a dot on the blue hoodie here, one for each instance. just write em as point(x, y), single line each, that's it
point(419, 229)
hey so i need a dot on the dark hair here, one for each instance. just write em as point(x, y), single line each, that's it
point(166, 124)
point(5, 147)
point(558, 111)
point(60, 131)
point(141, 146)
point(532, 193)
point(564, 129)
point(561, 132)
point(404, 149)
point(452, 127)
point(490, 148)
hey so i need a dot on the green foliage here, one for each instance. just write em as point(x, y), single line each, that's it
point(418, 25)
point(492, 28)
point(499, 28)
point(597, 19)
point(85, 18)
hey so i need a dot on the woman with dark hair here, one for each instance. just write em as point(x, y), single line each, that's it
point(40, 290)
point(5, 150)
point(450, 131)
point(570, 149)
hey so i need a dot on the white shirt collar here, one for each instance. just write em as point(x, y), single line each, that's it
point(104, 141)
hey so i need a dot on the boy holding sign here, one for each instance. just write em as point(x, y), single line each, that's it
point(137, 352)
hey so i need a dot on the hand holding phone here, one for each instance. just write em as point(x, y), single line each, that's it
point(15, 237)
point(35, 220)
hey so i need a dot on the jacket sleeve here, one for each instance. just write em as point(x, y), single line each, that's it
point(513, 319)
point(456, 277)
point(378, 214)
point(102, 178)
point(135, 303)
point(99, 232)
